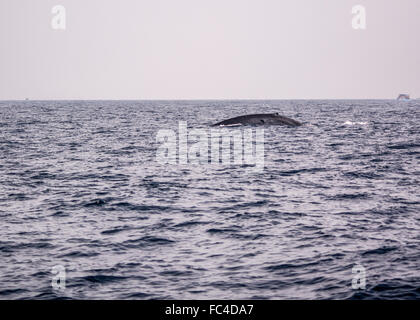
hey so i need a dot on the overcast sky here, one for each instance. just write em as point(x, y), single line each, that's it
point(209, 49)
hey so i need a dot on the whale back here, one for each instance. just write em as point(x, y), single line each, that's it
point(260, 119)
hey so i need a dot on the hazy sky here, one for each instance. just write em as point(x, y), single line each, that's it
point(209, 49)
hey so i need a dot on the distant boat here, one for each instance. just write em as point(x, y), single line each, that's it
point(403, 96)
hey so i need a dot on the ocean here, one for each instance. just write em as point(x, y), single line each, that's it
point(333, 213)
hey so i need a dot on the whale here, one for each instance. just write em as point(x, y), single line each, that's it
point(258, 120)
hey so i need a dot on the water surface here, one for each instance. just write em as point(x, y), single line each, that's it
point(81, 188)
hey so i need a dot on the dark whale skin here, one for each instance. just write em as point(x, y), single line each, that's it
point(260, 119)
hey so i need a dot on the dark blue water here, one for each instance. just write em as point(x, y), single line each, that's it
point(81, 188)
